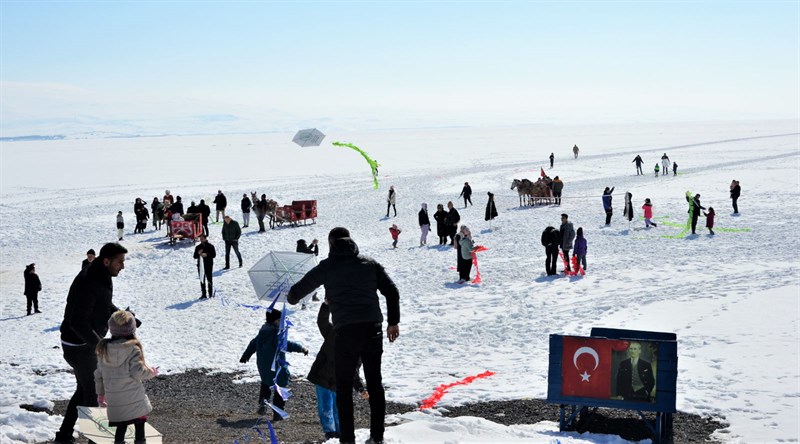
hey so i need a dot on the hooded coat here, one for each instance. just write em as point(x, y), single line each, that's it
point(441, 226)
point(119, 376)
point(423, 216)
point(351, 284)
point(580, 246)
point(628, 213)
point(32, 283)
point(265, 345)
point(491, 209)
point(221, 201)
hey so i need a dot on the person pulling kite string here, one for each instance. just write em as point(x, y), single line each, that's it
point(372, 163)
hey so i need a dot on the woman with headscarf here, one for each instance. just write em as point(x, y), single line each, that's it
point(628, 212)
point(491, 210)
point(441, 226)
point(32, 288)
point(424, 224)
point(465, 247)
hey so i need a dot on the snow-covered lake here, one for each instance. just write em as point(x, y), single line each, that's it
point(733, 299)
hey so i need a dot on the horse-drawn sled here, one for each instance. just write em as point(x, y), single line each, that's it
point(191, 227)
point(298, 211)
point(534, 193)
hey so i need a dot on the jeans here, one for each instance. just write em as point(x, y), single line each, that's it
point(261, 227)
point(326, 409)
point(365, 341)
point(388, 206)
point(423, 239)
point(235, 245)
point(735, 204)
point(83, 361)
point(581, 260)
point(557, 197)
point(639, 169)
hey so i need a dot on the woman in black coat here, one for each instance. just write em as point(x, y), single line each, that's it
point(32, 288)
point(491, 210)
point(452, 220)
point(441, 228)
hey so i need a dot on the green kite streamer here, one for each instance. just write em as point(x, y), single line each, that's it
point(372, 163)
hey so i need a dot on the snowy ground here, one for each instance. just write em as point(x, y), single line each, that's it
point(732, 299)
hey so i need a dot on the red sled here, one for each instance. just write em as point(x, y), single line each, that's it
point(576, 268)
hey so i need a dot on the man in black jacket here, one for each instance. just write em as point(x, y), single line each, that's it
point(551, 240)
point(89, 306)
point(351, 282)
point(221, 203)
point(466, 192)
point(207, 252)
point(205, 210)
point(246, 205)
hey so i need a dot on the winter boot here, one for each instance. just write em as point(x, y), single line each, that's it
point(210, 290)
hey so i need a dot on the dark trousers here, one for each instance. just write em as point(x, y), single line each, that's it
point(356, 341)
point(33, 299)
point(467, 199)
point(639, 169)
point(464, 268)
point(557, 197)
point(609, 212)
point(261, 227)
point(235, 245)
point(552, 259)
point(205, 227)
point(208, 271)
point(694, 221)
point(451, 231)
point(83, 361)
point(277, 400)
point(138, 426)
point(566, 256)
point(735, 205)
point(388, 206)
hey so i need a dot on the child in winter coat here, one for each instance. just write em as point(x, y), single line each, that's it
point(656, 169)
point(674, 168)
point(648, 214)
point(265, 345)
point(580, 248)
point(465, 246)
point(710, 219)
point(395, 234)
point(121, 368)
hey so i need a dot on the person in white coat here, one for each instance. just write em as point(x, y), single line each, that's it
point(665, 163)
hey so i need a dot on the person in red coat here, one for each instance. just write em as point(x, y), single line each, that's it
point(710, 219)
point(395, 234)
point(648, 214)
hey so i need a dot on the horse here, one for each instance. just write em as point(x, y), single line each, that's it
point(524, 189)
point(541, 191)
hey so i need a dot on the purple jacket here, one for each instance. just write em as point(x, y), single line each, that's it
point(580, 246)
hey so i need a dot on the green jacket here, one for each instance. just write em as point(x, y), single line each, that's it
point(231, 231)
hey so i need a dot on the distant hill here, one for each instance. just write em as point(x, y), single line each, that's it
point(31, 138)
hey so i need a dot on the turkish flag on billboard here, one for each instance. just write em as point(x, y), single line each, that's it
point(586, 367)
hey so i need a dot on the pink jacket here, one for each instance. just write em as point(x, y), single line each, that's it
point(648, 211)
point(395, 232)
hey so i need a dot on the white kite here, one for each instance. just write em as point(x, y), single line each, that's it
point(274, 274)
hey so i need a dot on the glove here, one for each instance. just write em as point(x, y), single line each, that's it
point(101, 400)
point(243, 360)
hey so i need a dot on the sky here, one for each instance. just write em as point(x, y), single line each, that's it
point(128, 68)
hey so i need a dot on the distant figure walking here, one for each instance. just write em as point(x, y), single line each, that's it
point(491, 209)
point(639, 161)
point(674, 168)
point(424, 224)
point(607, 204)
point(466, 192)
point(221, 203)
point(575, 151)
point(32, 288)
point(230, 234)
point(665, 165)
point(552, 159)
point(648, 214)
point(736, 190)
point(395, 232)
point(390, 201)
point(120, 225)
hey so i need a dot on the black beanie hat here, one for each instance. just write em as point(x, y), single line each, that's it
point(273, 315)
point(91, 251)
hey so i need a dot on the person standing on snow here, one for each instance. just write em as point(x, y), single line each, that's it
point(736, 190)
point(467, 193)
point(552, 159)
point(465, 247)
point(580, 249)
point(206, 252)
point(246, 205)
point(694, 210)
point(230, 234)
point(221, 203)
point(424, 224)
point(452, 220)
point(607, 204)
point(158, 213)
point(32, 288)
point(628, 211)
point(665, 165)
point(441, 223)
point(710, 220)
point(120, 225)
point(575, 151)
point(556, 186)
point(551, 240)
point(168, 199)
point(390, 201)
point(639, 161)
point(674, 168)
point(491, 209)
point(567, 237)
point(204, 210)
point(351, 284)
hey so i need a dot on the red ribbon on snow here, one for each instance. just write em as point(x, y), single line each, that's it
point(576, 268)
point(475, 252)
point(440, 391)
